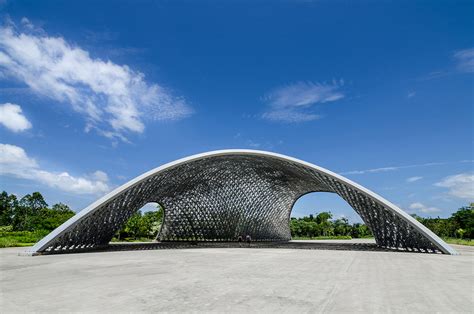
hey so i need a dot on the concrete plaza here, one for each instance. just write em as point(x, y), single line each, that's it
point(238, 280)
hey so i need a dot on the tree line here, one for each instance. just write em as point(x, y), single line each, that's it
point(459, 225)
point(322, 225)
point(32, 213)
point(141, 226)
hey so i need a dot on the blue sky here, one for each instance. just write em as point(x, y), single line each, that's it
point(94, 93)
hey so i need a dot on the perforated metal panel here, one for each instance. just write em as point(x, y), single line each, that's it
point(218, 197)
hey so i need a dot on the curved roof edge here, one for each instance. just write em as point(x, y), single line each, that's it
point(43, 243)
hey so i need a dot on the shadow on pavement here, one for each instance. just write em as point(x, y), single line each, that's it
point(131, 246)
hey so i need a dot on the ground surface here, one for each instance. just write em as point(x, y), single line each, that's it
point(238, 280)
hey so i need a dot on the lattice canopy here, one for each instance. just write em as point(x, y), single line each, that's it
point(218, 196)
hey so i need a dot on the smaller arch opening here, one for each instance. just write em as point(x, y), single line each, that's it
point(143, 226)
point(325, 215)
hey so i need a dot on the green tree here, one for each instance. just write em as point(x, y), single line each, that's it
point(342, 227)
point(61, 208)
point(132, 226)
point(460, 233)
point(52, 218)
point(142, 226)
point(28, 212)
point(323, 217)
point(152, 221)
point(464, 219)
point(8, 205)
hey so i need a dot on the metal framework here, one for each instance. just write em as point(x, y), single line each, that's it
point(217, 196)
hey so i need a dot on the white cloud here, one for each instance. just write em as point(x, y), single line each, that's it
point(25, 22)
point(459, 185)
point(414, 179)
point(14, 162)
point(114, 99)
point(411, 94)
point(14, 158)
point(396, 168)
point(292, 103)
point(465, 60)
point(423, 208)
point(11, 116)
point(253, 144)
point(393, 168)
point(100, 176)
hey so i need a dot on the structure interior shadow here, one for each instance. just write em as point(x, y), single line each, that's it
point(292, 245)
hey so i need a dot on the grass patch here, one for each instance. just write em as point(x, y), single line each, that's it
point(323, 238)
point(10, 238)
point(468, 242)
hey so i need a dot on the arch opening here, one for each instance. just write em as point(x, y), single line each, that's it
point(326, 215)
point(143, 225)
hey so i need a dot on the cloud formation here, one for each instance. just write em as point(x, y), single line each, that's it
point(423, 208)
point(393, 168)
point(114, 99)
point(414, 179)
point(459, 185)
point(11, 116)
point(465, 60)
point(292, 103)
point(14, 162)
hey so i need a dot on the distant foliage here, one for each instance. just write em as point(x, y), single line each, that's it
point(460, 225)
point(321, 225)
point(142, 226)
point(31, 213)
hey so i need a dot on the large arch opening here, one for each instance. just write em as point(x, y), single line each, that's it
point(143, 226)
point(316, 202)
point(325, 215)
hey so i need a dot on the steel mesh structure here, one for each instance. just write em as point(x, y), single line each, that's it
point(220, 195)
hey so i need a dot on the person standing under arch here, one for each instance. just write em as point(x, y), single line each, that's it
point(248, 239)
